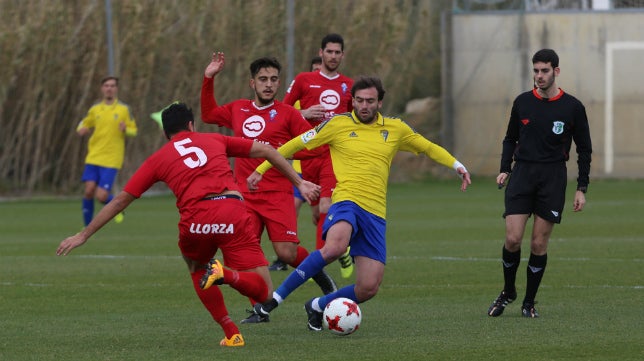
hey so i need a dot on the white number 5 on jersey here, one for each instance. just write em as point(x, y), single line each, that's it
point(198, 152)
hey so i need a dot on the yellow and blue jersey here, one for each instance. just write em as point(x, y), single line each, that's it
point(106, 146)
point(362, 155)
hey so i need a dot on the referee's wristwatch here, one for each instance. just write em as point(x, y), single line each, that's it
point(582, 189)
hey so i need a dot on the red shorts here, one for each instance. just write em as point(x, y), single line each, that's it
point(274, 211)
point(225, 225)
point(319, 170)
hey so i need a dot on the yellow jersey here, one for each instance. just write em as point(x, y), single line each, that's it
point(106, 146)
point(362, 155)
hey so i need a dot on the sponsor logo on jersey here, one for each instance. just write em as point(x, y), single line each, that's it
point(330, 99)
point(306, 137)
point(557, 127)
point(221, 228)
point(253, 126)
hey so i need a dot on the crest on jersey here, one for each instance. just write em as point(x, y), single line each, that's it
point(272, 114)
point(557, 127)
point(344, 88)
point(384, 134)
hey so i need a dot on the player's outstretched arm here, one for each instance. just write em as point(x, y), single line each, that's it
point(115, 206)
point(309, 190)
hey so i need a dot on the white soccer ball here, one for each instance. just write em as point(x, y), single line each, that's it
point(342, 316)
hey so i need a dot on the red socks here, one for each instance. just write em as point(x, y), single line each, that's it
point(249, 284)
point(213, 300)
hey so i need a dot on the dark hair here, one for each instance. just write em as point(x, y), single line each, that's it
point(546, 56)
point(316, 60)
point(366, 82)
point(332, 38)
point(265, 62)
point(176, 118)
point(110, 78)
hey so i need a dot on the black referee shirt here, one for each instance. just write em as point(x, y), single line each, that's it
point(542, 130)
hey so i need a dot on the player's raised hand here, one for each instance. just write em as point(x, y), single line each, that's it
point(216, 64)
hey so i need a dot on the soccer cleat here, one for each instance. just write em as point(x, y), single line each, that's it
point(214, 275)
point(278, 265)
point(257, 315)
point(315, 317)
point(528, 310)
point(118, 218)
point(498, 306)
point(346, 264)
point(326, 283)
point(235, 341)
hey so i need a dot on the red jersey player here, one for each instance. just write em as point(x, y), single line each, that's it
point(213, 216)
point(323, 94)
point(267, 121)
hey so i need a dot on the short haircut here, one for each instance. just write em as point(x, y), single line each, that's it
point(546, 56)
point(176, 118)
point(366, 82)
point(332, 38)
point(265, 62)
point(110, 78)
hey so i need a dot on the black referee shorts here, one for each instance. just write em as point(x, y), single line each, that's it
point(537, 188)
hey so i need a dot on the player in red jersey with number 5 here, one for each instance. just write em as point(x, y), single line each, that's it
point(213, 216)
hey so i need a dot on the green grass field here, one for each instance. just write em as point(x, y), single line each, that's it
point(126, 294)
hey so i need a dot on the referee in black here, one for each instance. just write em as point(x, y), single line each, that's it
point(542, 126)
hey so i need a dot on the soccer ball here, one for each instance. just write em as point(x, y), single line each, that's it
point(342, 316)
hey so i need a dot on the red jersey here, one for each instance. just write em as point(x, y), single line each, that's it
point(193, 165)
point(313, 88)
point(274, 124)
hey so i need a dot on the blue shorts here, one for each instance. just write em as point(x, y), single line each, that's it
point(103, 176)
point(368, 235)
point(296, 192)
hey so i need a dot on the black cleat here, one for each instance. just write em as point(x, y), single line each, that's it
point(315, 317)
point(278, 265)
point(528, 310)
point(498, 306)
point(326, 283)
point(257, 315)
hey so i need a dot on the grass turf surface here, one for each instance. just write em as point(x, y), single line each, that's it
point(126, 294)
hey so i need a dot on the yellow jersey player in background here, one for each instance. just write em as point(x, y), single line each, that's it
point(108, 122)
point(362, 145)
